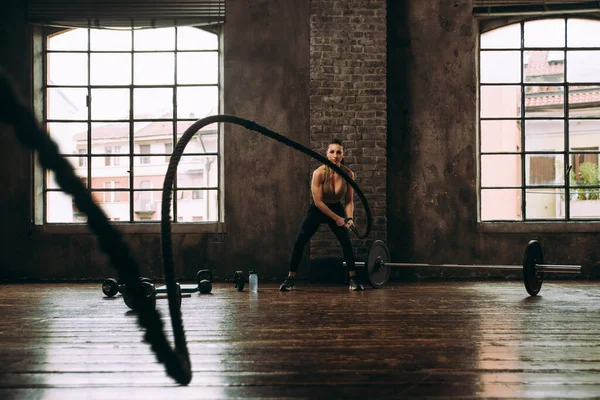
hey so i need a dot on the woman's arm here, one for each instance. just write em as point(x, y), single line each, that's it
point(349, 200)
point(317, 192)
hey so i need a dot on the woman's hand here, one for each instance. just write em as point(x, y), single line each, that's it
point(340, 222)
point(350, 223)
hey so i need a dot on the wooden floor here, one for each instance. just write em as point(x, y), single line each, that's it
point(458, 339)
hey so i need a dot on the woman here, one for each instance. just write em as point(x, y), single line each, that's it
point(328, 189)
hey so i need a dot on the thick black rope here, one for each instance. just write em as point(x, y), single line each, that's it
point(177, 360)
point(14, 111)
point(167, 246)
point(250, 125)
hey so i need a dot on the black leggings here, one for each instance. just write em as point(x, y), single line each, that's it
point(314, 218)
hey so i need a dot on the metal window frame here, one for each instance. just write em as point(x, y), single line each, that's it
point(42, 193)
point(523, 153)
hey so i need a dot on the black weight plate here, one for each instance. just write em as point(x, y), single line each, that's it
point(110, 287)
point(531, 277)
point(378, 276)
point(205, 286)
point(239, 280)
point(149, 291)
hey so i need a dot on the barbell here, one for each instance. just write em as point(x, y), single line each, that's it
point(378, 266)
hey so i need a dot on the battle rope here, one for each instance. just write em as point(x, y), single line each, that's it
point(250, 125)
point(15, 112)
point(177, 360)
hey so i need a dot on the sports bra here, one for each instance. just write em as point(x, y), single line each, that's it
point(329, 195)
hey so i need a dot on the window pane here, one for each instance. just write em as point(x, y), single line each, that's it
point(110, 104)
point(154, 39)
point(585, 203)
point(544, 101)
point(544, 66)
point(154, 68)
point(584, 101)
point(501, 170)
point(500, 101)
point(115, 204)
point(501, 205)
point(110, 69)
point(75, 39)
point(110, 39)
point(147, 205)
point(150, 137)
point(500, 136)
point(197, 102)
point(500, 66)
point(61, 209)
point(191, 172)
point(110, 168)
point(51, 182)
point(197, 68)
point(197, 205)
point(584, 134)
point(152, 103)
point(65, 135)
point(544, 135)
point(507, 37)
point(64, 103)
point(584, 168)
point(150, 168)
point(545, 169)
point(204, 141)
point(583, 66)
point(582, 33)
point(191, 38)
point(545, 203)
point(111, 134)
point(545, 33)
point(67, 69)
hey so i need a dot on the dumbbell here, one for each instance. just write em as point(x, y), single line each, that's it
point(111, 287)
point(239, 280)
point(149, 291)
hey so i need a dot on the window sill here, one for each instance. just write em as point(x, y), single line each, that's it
point(150, 228)
point(538, 227)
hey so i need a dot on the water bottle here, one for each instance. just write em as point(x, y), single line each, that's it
point(253, 281)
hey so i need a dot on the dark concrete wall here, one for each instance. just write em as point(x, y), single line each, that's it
point(266, 80)
point(432, 148)
point(15, 168)
point(431, 152)
point(266, 74)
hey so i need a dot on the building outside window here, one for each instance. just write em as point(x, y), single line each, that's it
point(539, 121)
point(116, 102)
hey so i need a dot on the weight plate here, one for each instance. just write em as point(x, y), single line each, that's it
point(205, 286)
point(150, 295)
point(110, 287)
point(378, 275)
point(531, 277)
point(239, 280)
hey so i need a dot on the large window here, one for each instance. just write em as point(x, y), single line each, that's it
point(116, 102)
point(539, 121)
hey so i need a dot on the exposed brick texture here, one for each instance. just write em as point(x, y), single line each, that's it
point(348, 102)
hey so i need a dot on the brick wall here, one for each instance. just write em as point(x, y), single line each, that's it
point(348, 101)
